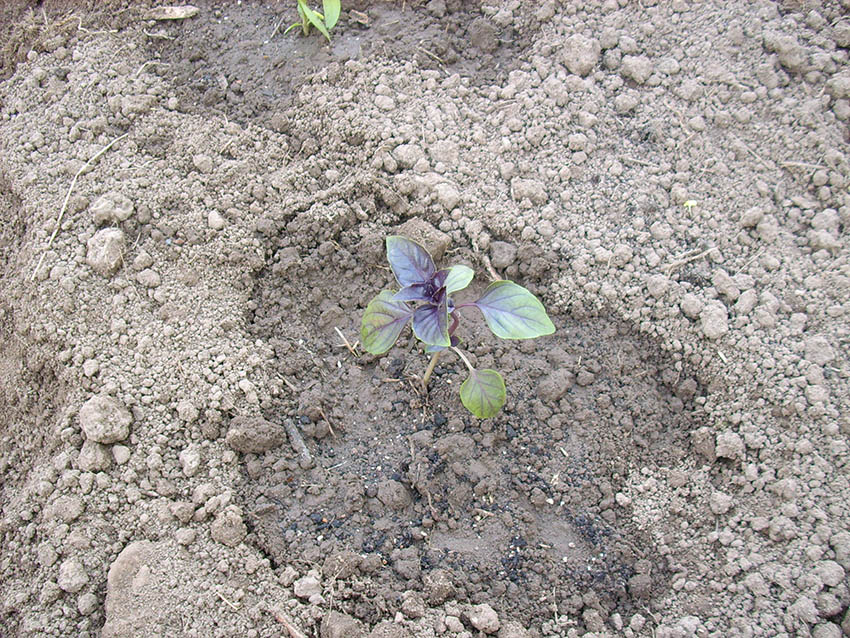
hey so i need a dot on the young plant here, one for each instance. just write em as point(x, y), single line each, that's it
point(324, 22)
point(511, 312)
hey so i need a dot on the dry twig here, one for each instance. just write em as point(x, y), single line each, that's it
point(91, 161)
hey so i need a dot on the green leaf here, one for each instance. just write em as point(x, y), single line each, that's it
point(458, 279)
point(382, 322)
point(483, 393)
point(304, 24)
point(512, 312)
point(314, 18)
point(331, 9)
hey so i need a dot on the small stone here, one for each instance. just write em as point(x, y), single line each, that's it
point(530, 189)
point(72, 576)
point(751, 217)
point(137, 104)
point(640, 586)
point(203, 163)
point(93, 457)
point(691, 306)
point(657, 285)
point(187, 411)
point(818, 351)
point(555, 385)
point(730, 445)
point(185, 536)
point(439, 586)
point(190, 460)
point(215, 220)
point(104, 420)
point(714, 320)
point(337, 625)
point(105, 251)
point(830, 573)
point(384, 102)
point(228, 528)
point(307, 586)
point(637, 68)
point(502, 254)
point(746, 302)
point(720, 502)
point(87, 604)
point(68, 508)
point(447, 195)
point(149, 278)
point(580, 54)
point(435, 241)
point(484, 618)
point(393, 495)
point(111, 208)
point(121, 454)
point(254, 435)
point(408, 154)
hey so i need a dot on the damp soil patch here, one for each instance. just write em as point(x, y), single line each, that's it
point(410, 496)
point(236, 59)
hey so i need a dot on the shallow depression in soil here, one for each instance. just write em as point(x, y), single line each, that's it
point(420, 496)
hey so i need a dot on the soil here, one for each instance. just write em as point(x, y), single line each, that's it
point(193, 213)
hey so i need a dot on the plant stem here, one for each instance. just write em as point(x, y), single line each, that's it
point(464, 359)
point(431, 365)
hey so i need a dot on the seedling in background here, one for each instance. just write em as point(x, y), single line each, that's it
point(324, 22)
point(511, 312)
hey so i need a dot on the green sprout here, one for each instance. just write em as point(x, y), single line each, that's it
point(324, 22)
point(510, 311)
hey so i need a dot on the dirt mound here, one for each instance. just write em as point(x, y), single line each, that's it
point(192, 221)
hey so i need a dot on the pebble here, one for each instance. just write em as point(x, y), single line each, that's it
point(149, 278)
point(111, 208)
point(105, 251)
point(637, 68)
point(830, 573)
point(484, 618)
point(339, 625)
point(215, 220)
point(529, 189)
point(307, 586)
point(385, 103)
point(185, 536)
point(580, 54)
point(556, 384)
point(104, 419)
point(447, 195)
point(87, 604)
point(729, 445)
point(254, 435)
point(228, 528)
point(93, 457)
point(657, 285)
point(190, 460)
point(818, 350)
point(72, 576)
point(720, 502)
point(203, 163)
point(502, 254)
point(714, 320)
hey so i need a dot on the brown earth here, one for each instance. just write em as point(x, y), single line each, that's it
point(193, 215)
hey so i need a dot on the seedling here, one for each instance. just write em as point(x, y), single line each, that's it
point(324, 22)
point(511, 312)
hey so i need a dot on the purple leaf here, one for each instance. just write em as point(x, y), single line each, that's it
point(431, 323)
point(382, 322)
point(413, 292)
point(512, 312)
point(410, 262)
